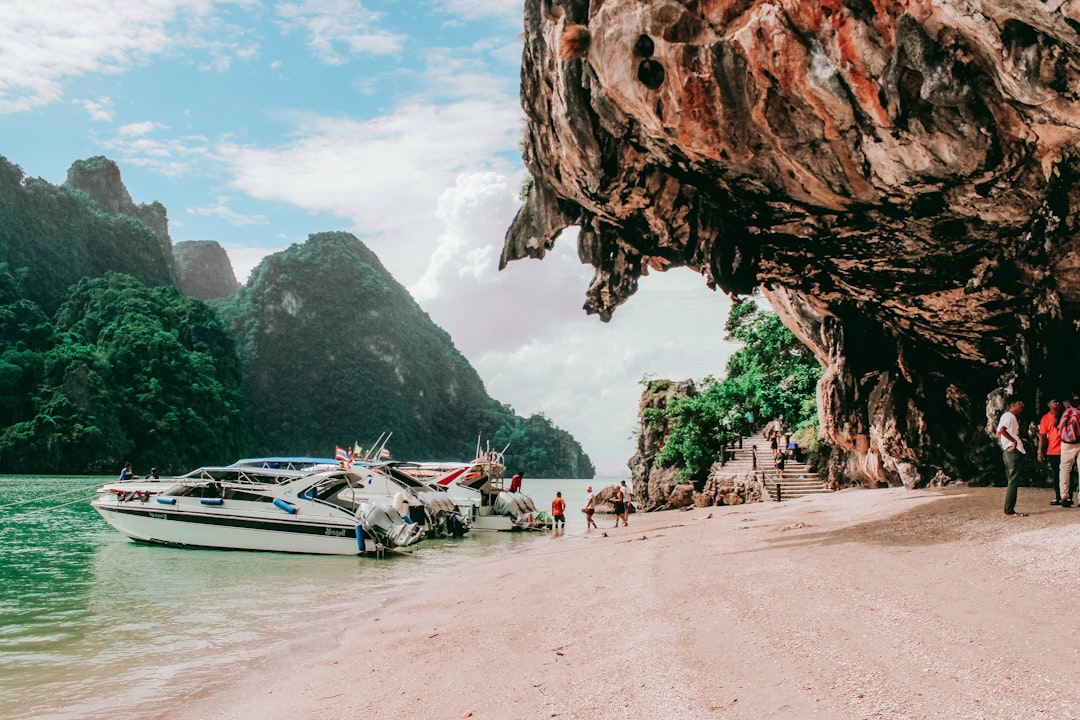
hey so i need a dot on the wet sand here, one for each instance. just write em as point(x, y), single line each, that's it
point(859, 604)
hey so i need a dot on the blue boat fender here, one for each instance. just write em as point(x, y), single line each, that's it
point(212, 501)
point(287, 507)
point(166, 500)
point(360, 538)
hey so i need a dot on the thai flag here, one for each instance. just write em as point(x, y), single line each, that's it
point(343, 456)
point(384, 454)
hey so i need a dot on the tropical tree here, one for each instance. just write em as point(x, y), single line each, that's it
point(771, 375)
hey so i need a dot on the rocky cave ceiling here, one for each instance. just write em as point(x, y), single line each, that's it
point(898, 178)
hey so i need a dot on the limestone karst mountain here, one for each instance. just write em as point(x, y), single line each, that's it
point(203, 270)
point(96, 366)
point(900, 179)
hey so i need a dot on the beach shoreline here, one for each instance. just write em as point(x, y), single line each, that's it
point(858, 604)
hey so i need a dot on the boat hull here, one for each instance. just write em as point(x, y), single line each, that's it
point(217, 527)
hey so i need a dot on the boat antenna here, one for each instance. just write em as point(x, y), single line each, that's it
point(373, 450)
point(374, 455)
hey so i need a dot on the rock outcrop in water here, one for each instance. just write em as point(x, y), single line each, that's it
point(898, 177)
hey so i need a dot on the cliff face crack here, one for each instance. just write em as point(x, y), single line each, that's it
point(899, 181)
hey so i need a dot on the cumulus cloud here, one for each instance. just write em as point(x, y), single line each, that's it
point(100, 110)
point(475, 9)
point(525, 331)
point(385, 174)
point(586, 375)
point(221, 209)
point(461, 287)
point(46, 43)
point(334, 24)
point(135, 144)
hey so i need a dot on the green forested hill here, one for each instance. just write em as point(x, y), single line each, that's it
point(52, 236)
point(121, 372)
point(102, 360)
point(337, 351)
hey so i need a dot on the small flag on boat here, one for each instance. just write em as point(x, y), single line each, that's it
point(343, 456)
point(384, 454)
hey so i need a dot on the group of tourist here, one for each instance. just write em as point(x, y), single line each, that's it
point(780, 444)
point(1058, 449)
point(621, 501)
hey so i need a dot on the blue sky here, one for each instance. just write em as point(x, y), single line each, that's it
point(258, 123)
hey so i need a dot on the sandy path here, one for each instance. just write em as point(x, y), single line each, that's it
point(861, 604)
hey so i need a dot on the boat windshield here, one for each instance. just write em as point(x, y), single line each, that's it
point(332, 491)
point(243, 475)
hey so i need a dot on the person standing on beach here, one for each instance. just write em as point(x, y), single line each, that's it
point(590, 508)
point(1012, 447)
point(628, 497)
point(1069, 433)
point(1050, 446)
point(619, 504)
point(558, 510)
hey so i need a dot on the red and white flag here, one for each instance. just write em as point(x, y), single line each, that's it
point(343, 456)
point(384, 454)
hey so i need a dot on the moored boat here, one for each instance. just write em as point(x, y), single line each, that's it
point(259, 509)
point(480, 486)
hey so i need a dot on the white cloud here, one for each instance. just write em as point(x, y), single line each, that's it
point(526, 333)
point(475, 9)
point(221, 209)
point(139, 129)
point(100, 110)
point(172, 157)
point(46, 43)
point(384, 174)
point(332, 24)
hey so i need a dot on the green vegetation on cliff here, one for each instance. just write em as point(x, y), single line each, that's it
point(122, 372)
point(336, 351)
point(772, 375)
point(51, 237)
point(102, 360)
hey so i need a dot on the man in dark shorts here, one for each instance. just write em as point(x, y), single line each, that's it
point(558, 510)
point(620, 505)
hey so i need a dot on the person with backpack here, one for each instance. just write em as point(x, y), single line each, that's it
point(1069, 432)
point(1012, 447)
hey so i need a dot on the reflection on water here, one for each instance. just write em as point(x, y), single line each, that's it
point(91, 622)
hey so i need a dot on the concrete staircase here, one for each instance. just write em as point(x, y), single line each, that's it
point(798, 480)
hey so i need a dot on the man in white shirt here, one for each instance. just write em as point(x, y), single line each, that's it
point(1012, 447)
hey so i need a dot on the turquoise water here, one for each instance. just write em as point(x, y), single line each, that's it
point(92, 623)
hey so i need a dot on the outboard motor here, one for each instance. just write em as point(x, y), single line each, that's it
point(388, 527)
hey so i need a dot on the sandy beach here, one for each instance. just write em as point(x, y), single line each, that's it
point(859, 604)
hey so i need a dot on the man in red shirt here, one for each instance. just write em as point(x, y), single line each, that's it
point(558, 510)
point(1050, 445)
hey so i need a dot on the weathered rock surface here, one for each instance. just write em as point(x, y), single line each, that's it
point(99, 177)
point(899, 178)
point(203, 270)
point(654, 486)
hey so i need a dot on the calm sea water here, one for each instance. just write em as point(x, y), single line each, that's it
point(92, 624)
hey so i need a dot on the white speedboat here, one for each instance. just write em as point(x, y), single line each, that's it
point(258, 509)
point(380, 482)
point(479, 487)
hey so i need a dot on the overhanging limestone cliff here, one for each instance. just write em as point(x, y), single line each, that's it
point(898, 177)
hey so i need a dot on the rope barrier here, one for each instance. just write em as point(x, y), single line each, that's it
point(31, 511)
point(42, 497)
